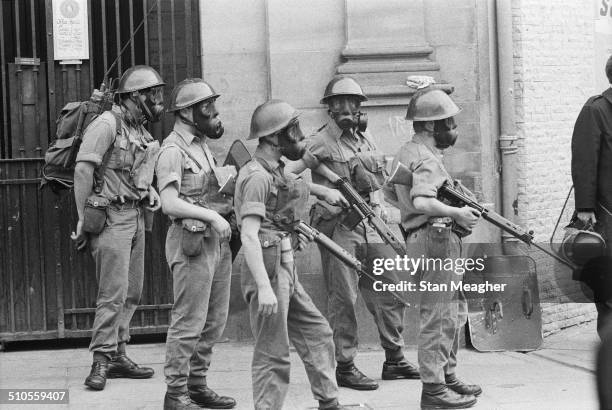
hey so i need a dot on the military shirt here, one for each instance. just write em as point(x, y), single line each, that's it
point(334, 147)
point(97, 139)
point(428, 175)
point(173, 166)
point(253, 187)
point(256, 189)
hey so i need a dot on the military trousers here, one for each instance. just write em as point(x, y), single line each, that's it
point(442, 312)
point(342, 285)
point(118, 252)
point(201, 288)
point(297, 321)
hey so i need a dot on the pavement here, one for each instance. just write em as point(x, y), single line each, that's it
point(560, 375)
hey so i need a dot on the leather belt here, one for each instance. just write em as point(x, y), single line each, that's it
point(127, 204)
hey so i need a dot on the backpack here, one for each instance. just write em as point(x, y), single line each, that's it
point(58, 169)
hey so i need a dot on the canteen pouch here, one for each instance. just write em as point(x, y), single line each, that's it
point(194, 232)
point(94, 214)
point(368, 171)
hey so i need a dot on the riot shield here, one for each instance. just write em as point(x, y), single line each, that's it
point(510, 319)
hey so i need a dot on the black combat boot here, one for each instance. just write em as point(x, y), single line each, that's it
point(438, 396)
point(122, 366)
point(402, 369)
point(347, 375)
point(98, 374)
point(179, 402)
point(458, 386)
point(204, 396)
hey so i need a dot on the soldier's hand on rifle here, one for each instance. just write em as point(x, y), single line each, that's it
point(222, 227)
point(79, 237)
point(467, 217)
point(154, 201)
point(268, 304)
point(587, 217)
point(303, 241)
point(335, 197)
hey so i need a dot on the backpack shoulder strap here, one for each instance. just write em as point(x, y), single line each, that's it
point(99, 184)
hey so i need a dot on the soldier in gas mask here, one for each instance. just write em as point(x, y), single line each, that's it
point(197, 247)
point(112, 189)
point(344, 146)
point(429, 227)
point(268, 201)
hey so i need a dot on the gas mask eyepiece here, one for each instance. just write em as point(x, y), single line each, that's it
point(344, 110)
point(153, 106)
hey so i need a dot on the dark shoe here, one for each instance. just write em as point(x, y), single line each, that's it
point(338, 406)
point(446, 399)
point(98, 375)
point(351, 377)
point(122, 366)
point(204, 396)
point(458, 386)
point(180, 402)
point(399, 370)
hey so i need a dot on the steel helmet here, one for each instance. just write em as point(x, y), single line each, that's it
point(189, 92)
point(139, 77)
point(431, 105)
point(581, 246)
point(270, 117)
point(343, 85)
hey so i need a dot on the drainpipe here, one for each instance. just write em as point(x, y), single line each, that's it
point(508, 141)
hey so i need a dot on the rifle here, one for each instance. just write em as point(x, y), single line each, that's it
point(362, 210)
point(342, 254)
point(452, 192)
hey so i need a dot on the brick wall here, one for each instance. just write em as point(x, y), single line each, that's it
point(553, 66)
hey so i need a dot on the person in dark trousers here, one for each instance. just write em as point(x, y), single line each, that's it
point(197, 246)
point(592, 178)
point(118, 151)
point(430, 228)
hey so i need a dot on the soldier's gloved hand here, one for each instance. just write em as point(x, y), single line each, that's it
point(154, 200)
point(466, 217)
point(587, 217)
point(79, 237)
point(268, 304)
point(222, 227)
point(335, 197)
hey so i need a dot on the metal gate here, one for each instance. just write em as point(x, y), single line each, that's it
point(47, 289)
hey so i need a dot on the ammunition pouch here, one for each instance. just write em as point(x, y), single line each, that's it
point(367, 171)
point(144, 166)
point(94, 214)
point(221, 186)
point(194, 232)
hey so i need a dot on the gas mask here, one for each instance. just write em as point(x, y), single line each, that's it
point(290, 141)
point(206, 120)
point(153, 106)
point(344, 110)
point(444, 133)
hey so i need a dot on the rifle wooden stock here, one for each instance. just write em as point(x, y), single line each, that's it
point(342, 254)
